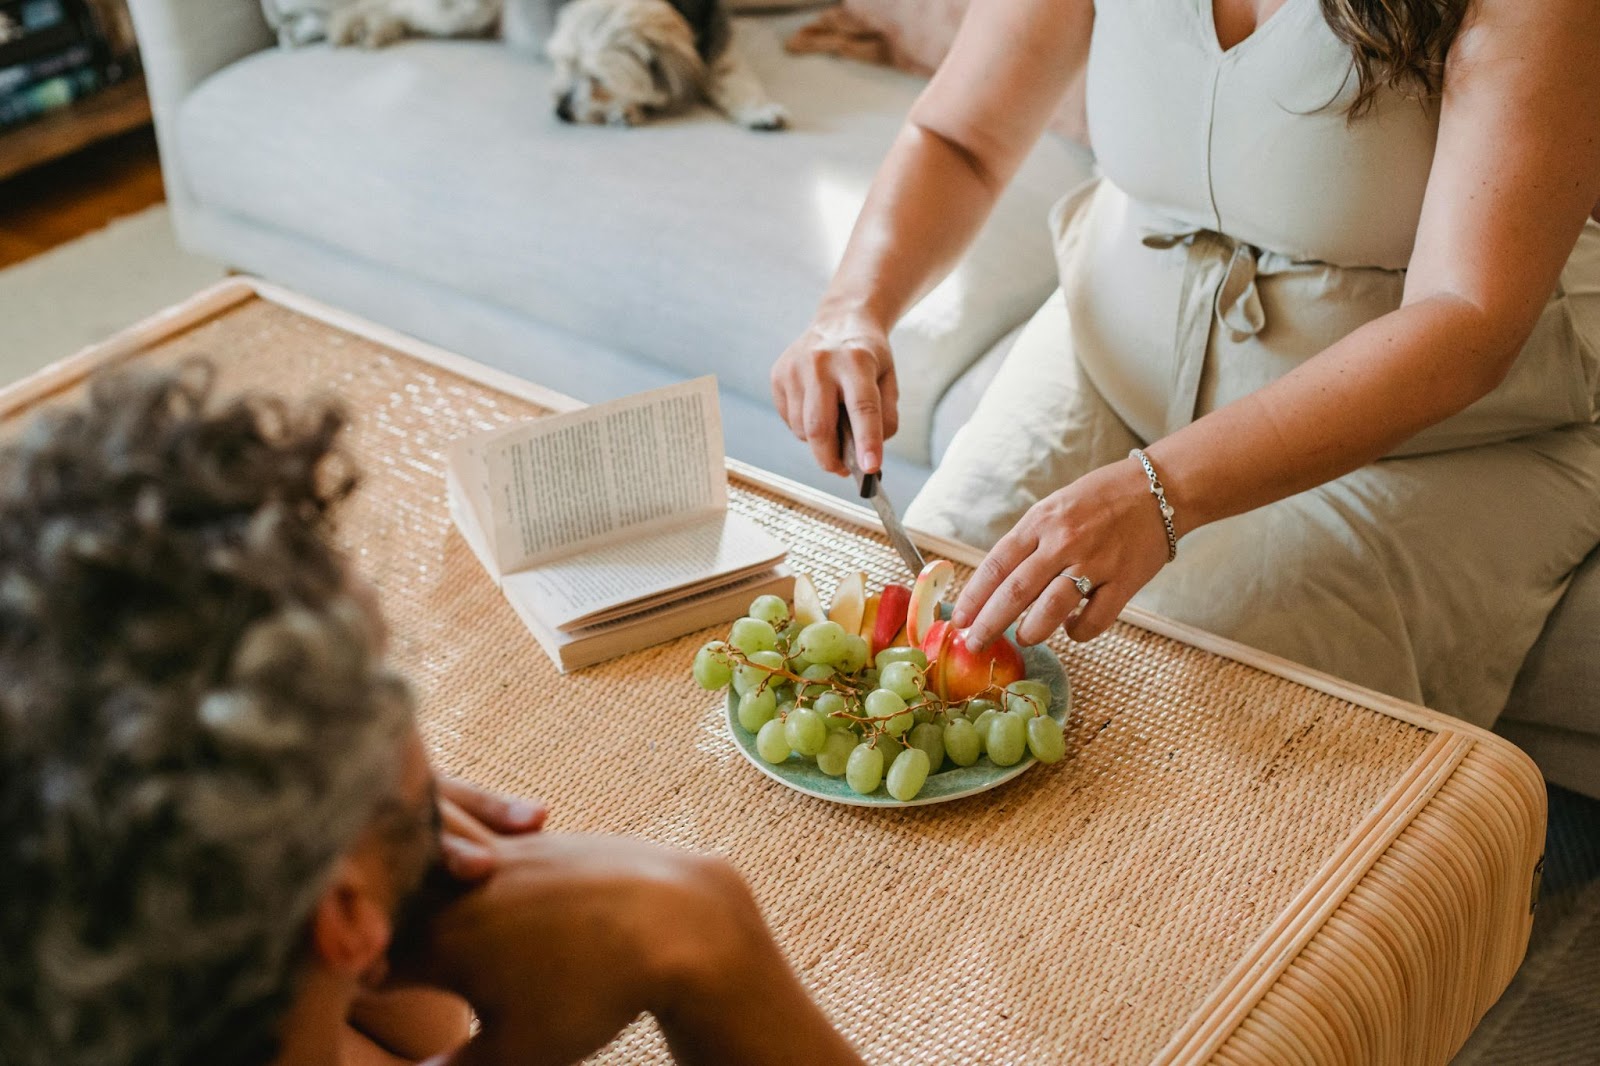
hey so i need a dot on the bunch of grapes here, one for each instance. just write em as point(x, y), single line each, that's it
point(810, 692)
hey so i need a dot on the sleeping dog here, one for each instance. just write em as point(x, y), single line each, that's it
point(618, 62)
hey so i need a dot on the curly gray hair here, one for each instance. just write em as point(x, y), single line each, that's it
point(195, 722)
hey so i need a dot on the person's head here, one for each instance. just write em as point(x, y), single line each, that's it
point(211, 790)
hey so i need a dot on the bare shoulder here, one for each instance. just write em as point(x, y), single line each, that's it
point(1555, 34)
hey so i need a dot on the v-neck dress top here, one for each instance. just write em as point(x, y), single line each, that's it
point(1243, 221)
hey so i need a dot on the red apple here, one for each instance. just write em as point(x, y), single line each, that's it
point(958, 673)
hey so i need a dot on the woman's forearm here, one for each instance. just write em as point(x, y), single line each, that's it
point(928, 201)
point(1352, 404)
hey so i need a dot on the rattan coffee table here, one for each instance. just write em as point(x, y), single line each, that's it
point(1239, 861)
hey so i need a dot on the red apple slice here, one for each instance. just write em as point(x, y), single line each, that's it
point(807, 604)
point(926, 595)
point(849, 602)
point(889, 619)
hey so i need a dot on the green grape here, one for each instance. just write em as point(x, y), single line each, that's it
point(863, 771)
point(785, 705)
point(922, 714)
point(914, 656)
point(805, 731)
point(855, 654)
point(713, 666)
point(903, 679)
point(975, 708)
point(985, 720)
point(824, 642)
point(1028, 696)
point(785, 693)
point(929, 738)
point(747, 677)
point(757, 709)
point(829, 704)
point(961, 742)
point(751, 635)
point(771, 610)
point(906, 775)
point(1008, 739)
point(816, 672)
point(869, 678)
point(1045, 739)
point(835, 753)
point(771, 743)
point(881, 703)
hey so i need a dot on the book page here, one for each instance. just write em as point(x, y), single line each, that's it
point(575, 588)
point(611, 472)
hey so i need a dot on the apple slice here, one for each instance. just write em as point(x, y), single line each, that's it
point(807, 604)
point(890, 618)
point(926, 595)
point(869, 618)
point(849, 602)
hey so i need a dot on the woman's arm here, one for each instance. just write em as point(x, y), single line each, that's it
point(1515, 173)
point(964, 139)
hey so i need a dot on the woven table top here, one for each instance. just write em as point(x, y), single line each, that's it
point(1149, 898)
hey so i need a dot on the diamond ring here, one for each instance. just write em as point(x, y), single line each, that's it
point(1082, 584)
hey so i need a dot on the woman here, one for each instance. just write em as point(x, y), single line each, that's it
point(1328, 233)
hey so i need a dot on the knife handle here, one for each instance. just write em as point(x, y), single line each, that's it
point(867, 483)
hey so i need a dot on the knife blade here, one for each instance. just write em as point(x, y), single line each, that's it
point(871, 488)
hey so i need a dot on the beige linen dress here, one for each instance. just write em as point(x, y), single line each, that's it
point(1242, 224)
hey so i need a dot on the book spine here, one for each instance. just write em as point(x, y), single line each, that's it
point(20, 75)
point(112, 28)
point(35, 100)
point(35, 28)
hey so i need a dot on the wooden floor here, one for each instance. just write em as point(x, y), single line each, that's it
point(78, 194)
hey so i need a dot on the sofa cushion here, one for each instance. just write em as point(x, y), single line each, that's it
point(1557, 692)
point(692, 242)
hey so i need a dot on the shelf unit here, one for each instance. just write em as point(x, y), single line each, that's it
point(115, 109)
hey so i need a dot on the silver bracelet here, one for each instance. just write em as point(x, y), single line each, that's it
point(1160, 494)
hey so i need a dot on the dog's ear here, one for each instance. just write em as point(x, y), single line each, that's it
point(676, 71)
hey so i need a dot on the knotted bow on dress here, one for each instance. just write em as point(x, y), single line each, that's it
point(1226, 269)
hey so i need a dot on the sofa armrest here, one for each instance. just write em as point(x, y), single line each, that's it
point(181, 43)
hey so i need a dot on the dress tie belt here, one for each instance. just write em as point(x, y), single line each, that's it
point(1219, 282)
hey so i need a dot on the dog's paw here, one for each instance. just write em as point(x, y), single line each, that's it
point(627, 116)
point(365, 27)
point(766, 116)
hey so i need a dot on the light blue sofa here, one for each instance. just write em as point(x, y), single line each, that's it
point(429, 187)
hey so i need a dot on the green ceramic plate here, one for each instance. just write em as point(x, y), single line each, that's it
point(952, 783)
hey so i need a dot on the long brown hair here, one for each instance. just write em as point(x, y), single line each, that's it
point(1400, 44)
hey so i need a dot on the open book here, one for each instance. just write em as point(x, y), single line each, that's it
point(608, 528)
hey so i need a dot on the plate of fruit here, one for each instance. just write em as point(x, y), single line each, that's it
point(877, 701)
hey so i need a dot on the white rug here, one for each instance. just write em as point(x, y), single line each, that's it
point(82, 292)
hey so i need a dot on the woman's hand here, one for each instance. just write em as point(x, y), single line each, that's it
point(1105, 526)
point(844, 361)
point(472, 818)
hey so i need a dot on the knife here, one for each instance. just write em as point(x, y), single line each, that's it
point(871, 488)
